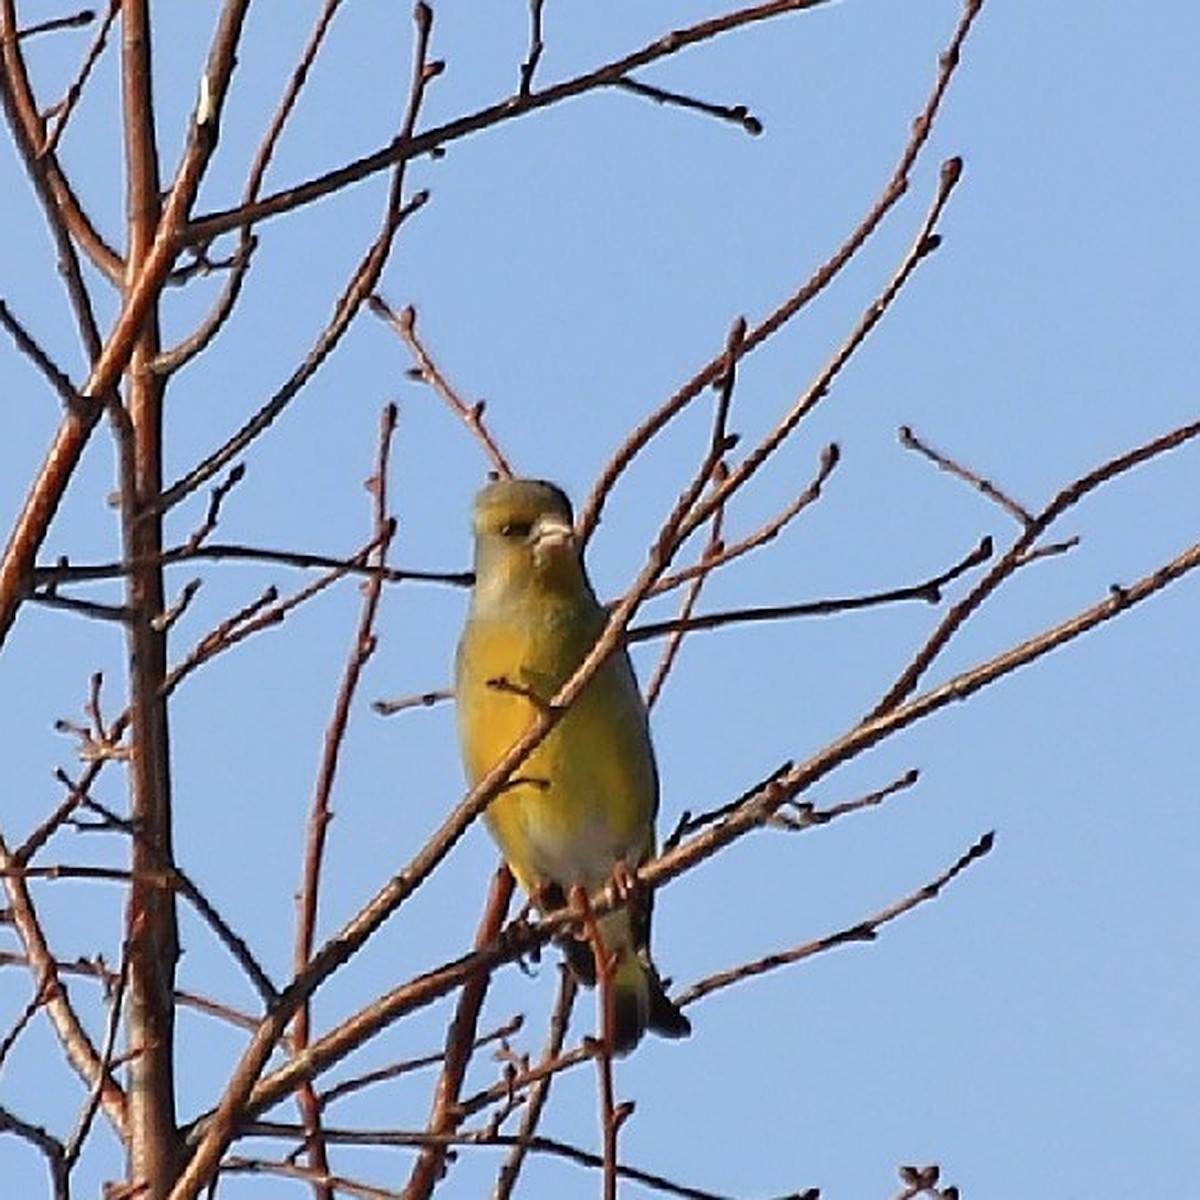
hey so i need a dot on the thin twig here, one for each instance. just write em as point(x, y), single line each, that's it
point(32, 349)
point(80, 1052)
point(388, 708)
point(670, 652)
point(737, 114)
point(64, 572)
point(405, 324)
point(31, 1009)
point(944, 462)
point(116, 998)
point(768, 531)
point(862, 931)
point(357, 1083)
point(320, 813)
point(719, 443)
point(929, 591)
point(406, 148)
point(53, 24)
point(923, 244)
point(891, 194)
point(539, 1092)
point(64, 109)
point(806, 816)
point(484, 1138)
point(612, 1116)
point(461, 1042)
point(359, 287)
point(1018, 554)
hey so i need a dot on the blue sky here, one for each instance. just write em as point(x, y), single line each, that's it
point(1033, 1030)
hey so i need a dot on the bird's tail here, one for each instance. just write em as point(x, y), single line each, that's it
point(641, 1003)
point(639, 1000)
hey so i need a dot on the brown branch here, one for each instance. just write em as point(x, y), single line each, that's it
point(64, 109)
point(405, 324)
point(1018, 553)
point(687, 607)
point(64, 572)
point(141, 287)
point(768, 531)
point(173, 359)
point(50, 371)
point(381, 1074)
point(612, 1115)
point(536, 47)
point(116, 997)
point(863, 931)
point(320, 813)
point(482, 1138)
point(460, 1045)
point(737, 114)
point(928, 590)
point(151, 930)
point(68, 222)
point(539, 1093)
point(388, 708)
point(410, 146)
point(892, 192)
point(943, 462)
point(80, 1052)
point(714, 466)
point(924, 244)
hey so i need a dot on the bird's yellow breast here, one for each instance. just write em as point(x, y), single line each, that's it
point(586, 796)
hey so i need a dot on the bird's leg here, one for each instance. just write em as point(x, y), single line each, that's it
point(624, 886)
point(546, 897)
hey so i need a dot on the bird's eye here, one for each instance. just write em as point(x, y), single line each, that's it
point(516, 529)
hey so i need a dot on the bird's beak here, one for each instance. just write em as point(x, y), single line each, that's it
point(552, 537)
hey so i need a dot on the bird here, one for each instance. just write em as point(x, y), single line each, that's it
point(580, 810)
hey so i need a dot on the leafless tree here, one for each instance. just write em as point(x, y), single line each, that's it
point(199, 229)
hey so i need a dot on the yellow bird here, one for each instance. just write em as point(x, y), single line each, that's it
point(584, 802)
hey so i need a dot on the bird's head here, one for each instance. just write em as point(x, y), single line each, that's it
point(525, 538)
